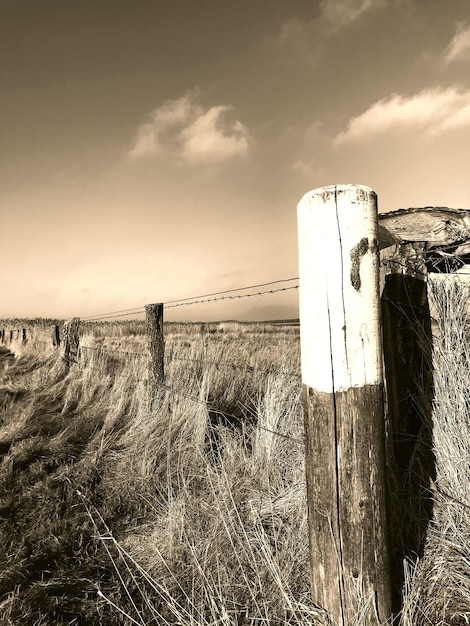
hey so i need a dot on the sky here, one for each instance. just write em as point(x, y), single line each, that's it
point(152, 150)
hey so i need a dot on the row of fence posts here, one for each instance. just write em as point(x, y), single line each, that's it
point(8, 336)
point(70, 342)
point(21, 335)
point(155, 345)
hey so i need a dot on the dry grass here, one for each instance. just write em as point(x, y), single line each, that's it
point(194, 513)
point(440, 586)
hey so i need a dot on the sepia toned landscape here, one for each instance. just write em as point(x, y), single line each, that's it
point(234, 313)
point(195, 513)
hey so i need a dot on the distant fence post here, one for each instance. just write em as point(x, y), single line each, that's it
point(55, 336)
point(11, 335)
point(156, 347)
point(23, 331)
point(71, 340)
point(342, 375)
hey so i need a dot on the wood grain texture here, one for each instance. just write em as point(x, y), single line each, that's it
point(156, 347)
point(437, 226)
point(339, 298)
point(342, 372)
point(71, 340)
point(345, 471)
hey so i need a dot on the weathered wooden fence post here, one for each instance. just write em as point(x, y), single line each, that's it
point(156, 347)
point(23, 338)
point(71, 340)
point(342, 375)
point(11, 335)
point(55, 336)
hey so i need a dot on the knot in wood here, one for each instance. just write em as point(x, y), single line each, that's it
point(357, 252)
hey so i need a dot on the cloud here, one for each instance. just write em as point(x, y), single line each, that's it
point(334, 16)
point(459, 46)
point(337, 14)
point(430, 112)
point(154, 136)
point(184, 128)
point(211, 136)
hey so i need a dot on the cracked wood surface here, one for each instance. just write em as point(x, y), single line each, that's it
point(438, 227)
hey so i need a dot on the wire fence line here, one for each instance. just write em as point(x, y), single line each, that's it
point(203, 362)
point(219, 293)
point(210, 407)
point(213, 408)
point(199, 299)
point(231, 294)
point(203, 300)
point(234, 366)
point(246, 295)
point(112, 351)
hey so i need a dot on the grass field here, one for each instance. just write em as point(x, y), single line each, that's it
point(195, 513)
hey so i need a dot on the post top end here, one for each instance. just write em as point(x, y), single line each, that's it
point(328, 191)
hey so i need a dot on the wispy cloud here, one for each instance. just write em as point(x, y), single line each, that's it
point(430, 112)
point(334, 15)
point(164, 125)
point(337, 14)
point(459, 46)
point(185, 128)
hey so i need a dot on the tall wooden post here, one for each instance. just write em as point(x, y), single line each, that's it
point(342, 375)
point(156, 347)
point(23, 334)
point(71, 340)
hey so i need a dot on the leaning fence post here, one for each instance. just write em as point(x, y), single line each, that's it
point(342, 377)
point(71, 340)
point(156, 347)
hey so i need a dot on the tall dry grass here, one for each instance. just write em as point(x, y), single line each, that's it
point(195, 513)
point(438, 591)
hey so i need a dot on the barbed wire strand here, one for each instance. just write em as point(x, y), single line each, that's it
point(104, 316)
point(203, 300)
point(246, 295)
point(217, 364)
point(215, 409)
point(219, 293)
point(134, 310)
point(111, 351)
